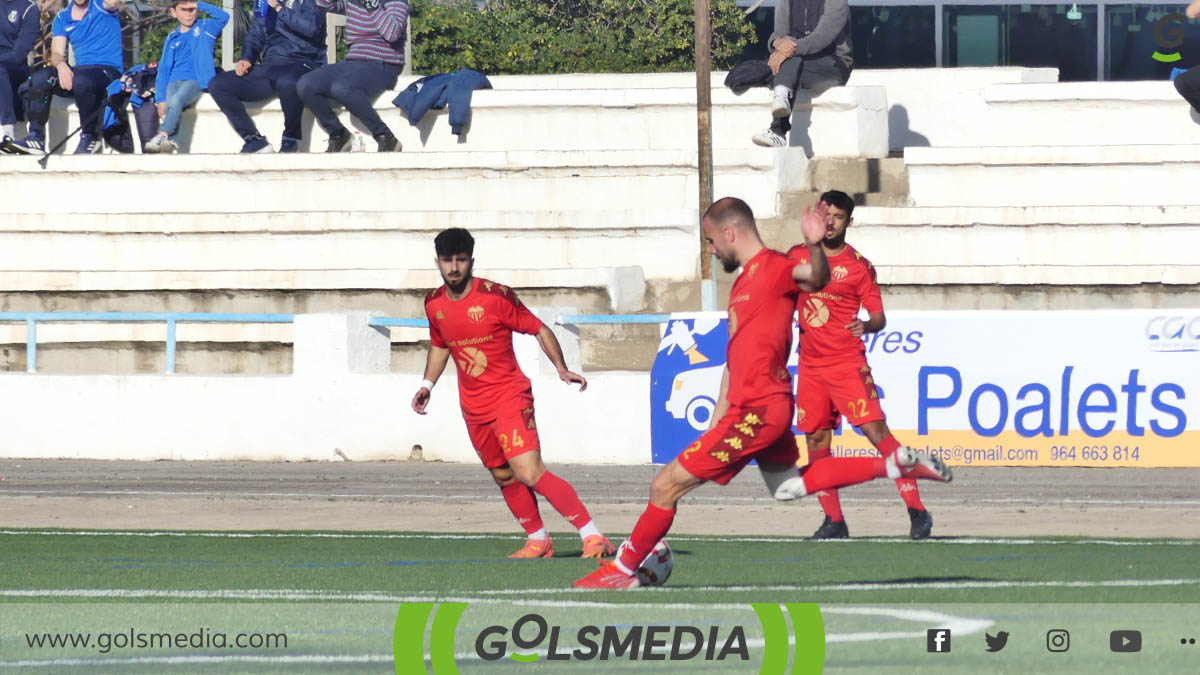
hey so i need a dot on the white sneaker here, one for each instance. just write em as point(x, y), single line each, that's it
point(160, 144)
point(916, 464)
point(792, 488)
point(769, 139)
point(781, 106)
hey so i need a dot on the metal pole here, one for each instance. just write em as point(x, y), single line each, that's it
point(170, 346)
point(227, 37)
point(30, 346)
point(704, 160)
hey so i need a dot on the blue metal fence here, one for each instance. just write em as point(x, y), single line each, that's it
point(172, 319)
point(32, 319)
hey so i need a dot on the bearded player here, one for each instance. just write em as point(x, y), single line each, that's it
point(833, 378)
point(753, 415)
point(473, 320)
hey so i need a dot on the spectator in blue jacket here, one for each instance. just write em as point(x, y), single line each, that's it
point(186, 66)
point(93, 30)
point(282, 46)
point(375, 31)
point(19, 21)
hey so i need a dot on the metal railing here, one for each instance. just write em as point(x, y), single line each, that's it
point(32, 319)
point(172, 319)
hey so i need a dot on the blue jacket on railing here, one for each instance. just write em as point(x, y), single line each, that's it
point(205, 31)
point(294, 34)
point(435, 91)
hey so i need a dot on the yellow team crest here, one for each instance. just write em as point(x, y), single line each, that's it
point(733, 322)
point(439, 316)
point(472, 361)
point(475, 313)
point(815, 312)
point(839, 273)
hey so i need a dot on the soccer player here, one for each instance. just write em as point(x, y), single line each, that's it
point(753, 415)
point(833, 378)
point(473, 320)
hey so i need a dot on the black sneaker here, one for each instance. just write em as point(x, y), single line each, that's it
point(256, 144)
point(339, 142)
point(831, 529)
point(30, 145)
point(4, 146)
point(387, 142)
point(922, 523)
point(289, 145)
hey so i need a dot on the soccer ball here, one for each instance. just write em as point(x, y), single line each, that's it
point(656, 568)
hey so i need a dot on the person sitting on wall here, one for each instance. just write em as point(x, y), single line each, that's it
point(93, 30)
point(375, 31)
point(186, 66)
point(1187, 83)
point(810, 49)
point(18, 31)
point(284, 44)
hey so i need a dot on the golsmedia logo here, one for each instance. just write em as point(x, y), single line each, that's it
point(530, 638)
point(1168, 35)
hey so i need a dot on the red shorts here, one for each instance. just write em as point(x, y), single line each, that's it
point(762, 431)
point(511, 433)
point(825, 393)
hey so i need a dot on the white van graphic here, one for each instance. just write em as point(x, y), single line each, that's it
point(694, 395)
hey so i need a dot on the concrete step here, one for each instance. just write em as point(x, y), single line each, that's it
point(1089, 113)
point(1109, 175)
point(431, 181)
point(664, 243)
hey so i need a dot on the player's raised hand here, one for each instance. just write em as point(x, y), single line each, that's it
point(812, 225)
point(420, 400)
point(856, 328)
point(573, 378)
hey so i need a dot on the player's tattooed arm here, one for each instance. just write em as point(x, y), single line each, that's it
point(435, 363)
point(553, 349)
point(875, 322)
point(814, 274)
point(722, 405)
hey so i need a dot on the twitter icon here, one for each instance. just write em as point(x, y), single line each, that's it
point(997, 642)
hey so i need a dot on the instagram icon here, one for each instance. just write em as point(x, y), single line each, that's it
point(1058, 640)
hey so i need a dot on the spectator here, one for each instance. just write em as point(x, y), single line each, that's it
point(286, 42)
point(93, 29)
point(375, 31)
point(186, 66)
point(18, 32)
point(1187, 83)
point(810, 49)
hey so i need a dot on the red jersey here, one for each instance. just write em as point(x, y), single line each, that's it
point(823, 315)
point(761, 304)
point(477, 329)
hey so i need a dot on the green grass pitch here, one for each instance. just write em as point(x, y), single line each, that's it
point(337, 592)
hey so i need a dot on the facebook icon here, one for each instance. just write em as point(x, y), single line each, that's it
point(937, 640)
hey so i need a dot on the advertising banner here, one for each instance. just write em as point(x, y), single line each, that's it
point(987, 388)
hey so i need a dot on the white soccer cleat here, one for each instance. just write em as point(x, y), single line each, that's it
point(916, 464)
point(792, 488)
point(769, 139)
point(781, 106)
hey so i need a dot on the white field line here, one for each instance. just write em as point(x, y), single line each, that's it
point(505, 596)
point(751, 539)
point(67, 492)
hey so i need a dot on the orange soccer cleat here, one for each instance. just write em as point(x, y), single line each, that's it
point(608, 575)
point(536, 548)
point(597, 546)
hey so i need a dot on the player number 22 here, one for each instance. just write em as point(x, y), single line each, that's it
point(517, 441)
point(858, 408)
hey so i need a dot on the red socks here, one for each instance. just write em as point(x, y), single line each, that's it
point(650, 529)
point(907, 486)
point(830, 504)
point(523, 505)
point(843, 471)
point(563, 498)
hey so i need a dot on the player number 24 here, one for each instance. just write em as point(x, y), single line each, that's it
point(517, 441)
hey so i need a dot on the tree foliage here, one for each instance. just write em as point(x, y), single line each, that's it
point(571, 36)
